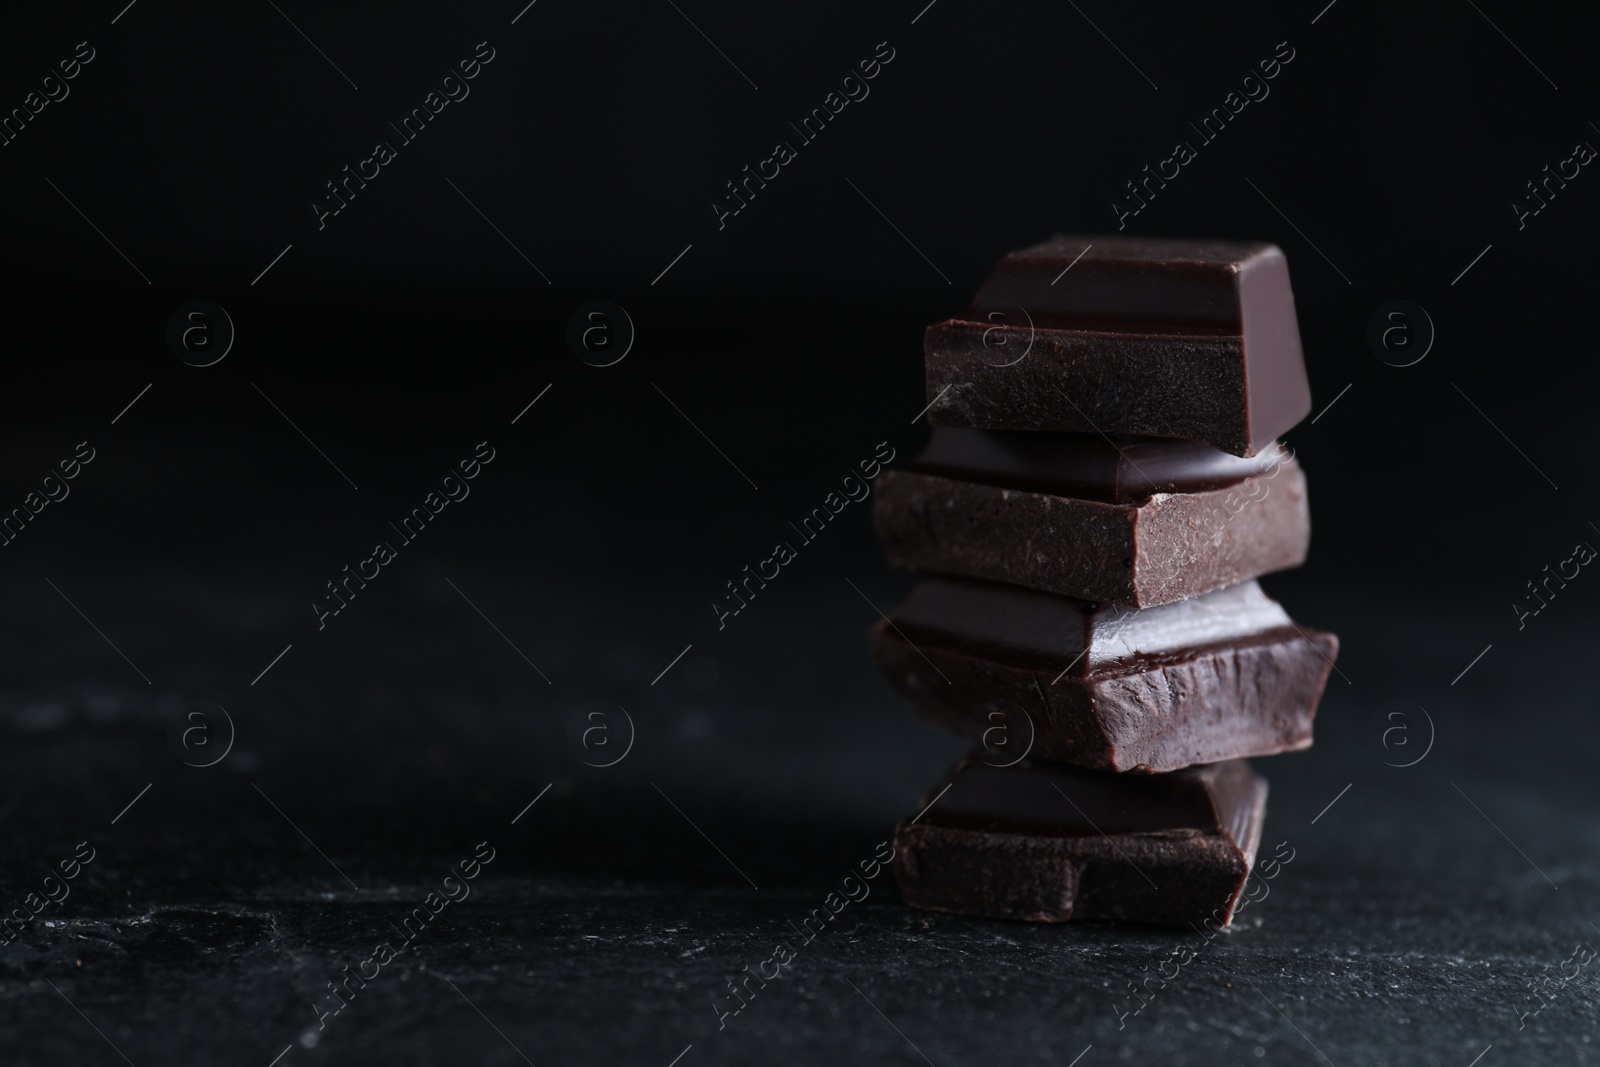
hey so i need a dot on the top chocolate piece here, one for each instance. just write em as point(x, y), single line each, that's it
point(1166, 338)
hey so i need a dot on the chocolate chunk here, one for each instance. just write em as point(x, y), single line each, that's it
point(1120, 469)
point(1138, 522)
point(1223, 675)
point(1167, 338)
point(1047, 843)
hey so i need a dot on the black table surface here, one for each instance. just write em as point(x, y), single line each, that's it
point(1429, 911)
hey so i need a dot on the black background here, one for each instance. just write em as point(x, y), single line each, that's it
point(409, 329)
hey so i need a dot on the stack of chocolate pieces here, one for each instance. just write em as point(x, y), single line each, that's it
point(1103, 486)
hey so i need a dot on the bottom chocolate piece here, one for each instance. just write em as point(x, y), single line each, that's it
point(1049, 843)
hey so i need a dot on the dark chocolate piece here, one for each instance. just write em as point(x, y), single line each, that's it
point(1008, 512)
point(1113, 469)
point(1223, 675)
point(1047, 843)
point(1168, 338)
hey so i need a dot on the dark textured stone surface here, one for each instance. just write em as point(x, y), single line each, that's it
point(1403, 931)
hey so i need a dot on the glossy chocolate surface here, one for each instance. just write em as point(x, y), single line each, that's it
point(1113, 469)
point(1103, 282)
point(1056, 800)
point(989, 619)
